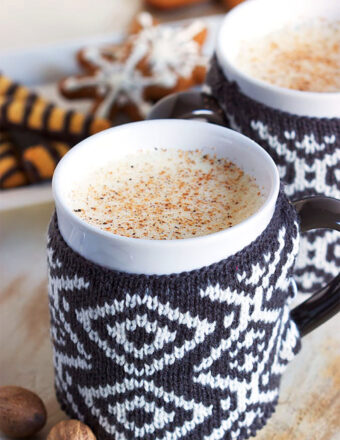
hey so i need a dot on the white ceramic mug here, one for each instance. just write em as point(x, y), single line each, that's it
point(196, 345)
point(141, 256)
point(255, 18)
point(299, 129)
point(163, 257)
point(250, 20)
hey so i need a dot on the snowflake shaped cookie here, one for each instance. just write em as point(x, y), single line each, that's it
point(155, 60)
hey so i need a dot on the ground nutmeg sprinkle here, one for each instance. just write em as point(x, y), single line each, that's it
point(166, 194)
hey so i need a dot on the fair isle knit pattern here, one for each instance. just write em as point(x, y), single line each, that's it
point(307, 154)
point(192, 356)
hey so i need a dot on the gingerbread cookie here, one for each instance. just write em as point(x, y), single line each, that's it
point(232, 3)
point(48, 119)
point(172, 4)
point(11, 170)
point(155, 60)
point(142, 21)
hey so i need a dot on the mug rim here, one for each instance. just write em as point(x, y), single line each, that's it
point(63, 207)
point(254, 87)
point(57, 176)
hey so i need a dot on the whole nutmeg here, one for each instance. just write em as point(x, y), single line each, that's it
point(71, 430)
point(22, 412)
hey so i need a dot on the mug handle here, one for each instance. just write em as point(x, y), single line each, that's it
point(318, 212)
point(189, 105)
point(314, 212)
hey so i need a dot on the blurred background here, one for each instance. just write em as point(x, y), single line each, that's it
point(23, 23)
point(39, 40)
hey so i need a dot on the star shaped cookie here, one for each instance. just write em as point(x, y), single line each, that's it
point(155, 60)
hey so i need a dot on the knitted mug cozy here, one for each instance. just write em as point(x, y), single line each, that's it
point(196, 355)
point(307, 153)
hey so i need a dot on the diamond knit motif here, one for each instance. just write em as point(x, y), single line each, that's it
point(197, 355)
point(141, 409)
point(167, 337)
point(307, 153)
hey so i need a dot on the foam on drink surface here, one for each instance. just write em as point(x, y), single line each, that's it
point(303, 57)
point(166, 194)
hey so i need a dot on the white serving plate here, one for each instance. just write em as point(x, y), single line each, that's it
point(40, 68)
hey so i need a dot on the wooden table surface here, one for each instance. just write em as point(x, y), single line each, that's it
point(309, 407)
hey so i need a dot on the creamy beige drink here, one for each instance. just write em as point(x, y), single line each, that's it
point(304, 57)
point(166, 195)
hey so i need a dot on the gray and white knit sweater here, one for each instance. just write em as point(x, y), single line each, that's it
point(307, 153)
point(192, 356)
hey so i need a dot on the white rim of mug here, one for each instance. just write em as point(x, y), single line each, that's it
point(57, 177)
point(229, 66)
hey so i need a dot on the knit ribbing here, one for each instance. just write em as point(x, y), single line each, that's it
point(307, 153)
point(190, 356)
